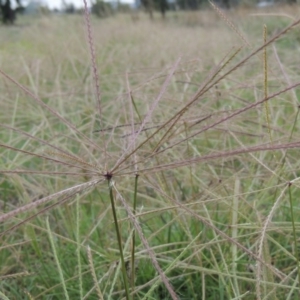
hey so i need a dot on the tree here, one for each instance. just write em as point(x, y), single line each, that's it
point(102, 9)
point(8, 13)
point(163, 5)
point(226, 4)
point(189, 4)
point(68, 7)
point(148, 4)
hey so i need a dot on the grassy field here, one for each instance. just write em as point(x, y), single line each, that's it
point(176, 176)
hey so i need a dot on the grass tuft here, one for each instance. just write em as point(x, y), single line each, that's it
point(196, 205)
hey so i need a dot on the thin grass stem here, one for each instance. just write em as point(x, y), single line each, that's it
point(93, 272)
point(265, 60)
point(148, 248)
point(113, 208)
point(172, 265)
point(234, 234)
point(3, 296)
point(72, 128)
point(132, 278)
point(66, 193)
point(124, 157)
point(225, 119)
point(94, 71)
point(60, 271)
point(294, 231)
point(78, 246)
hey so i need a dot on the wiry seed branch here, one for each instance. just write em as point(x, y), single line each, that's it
point(30, 206)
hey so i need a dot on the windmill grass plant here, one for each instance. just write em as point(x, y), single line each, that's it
point(154, 161)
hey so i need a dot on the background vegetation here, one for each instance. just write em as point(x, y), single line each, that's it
point(207, 121)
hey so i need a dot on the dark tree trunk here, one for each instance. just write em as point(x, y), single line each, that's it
point(226, 4)
point(8, 14)
point(193, 4)
point(163, 7)
point(148, 4)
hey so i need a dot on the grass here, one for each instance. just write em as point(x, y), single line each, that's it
point(164, 183)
